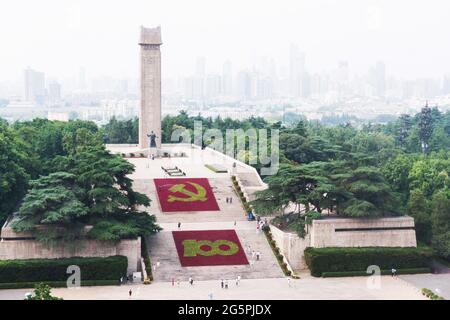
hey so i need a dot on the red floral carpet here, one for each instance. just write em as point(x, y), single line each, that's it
point(209, 248)
point(185, 194)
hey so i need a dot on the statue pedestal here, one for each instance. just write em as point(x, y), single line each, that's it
point(153, 152)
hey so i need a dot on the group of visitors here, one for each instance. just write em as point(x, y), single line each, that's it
point(256, 255)
point(224, 283)
point(126, 279)
point(260, 224)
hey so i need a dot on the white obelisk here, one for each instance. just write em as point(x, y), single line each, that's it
point(150, 111)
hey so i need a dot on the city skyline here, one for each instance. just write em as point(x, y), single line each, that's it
point(79, 33)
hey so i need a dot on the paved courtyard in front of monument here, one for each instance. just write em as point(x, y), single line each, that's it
point(307, 288)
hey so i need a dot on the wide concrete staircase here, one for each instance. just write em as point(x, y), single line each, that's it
point(162, 249)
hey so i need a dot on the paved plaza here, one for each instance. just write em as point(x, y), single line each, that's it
point(261, 279)
point(438, 283)
point(307, 288)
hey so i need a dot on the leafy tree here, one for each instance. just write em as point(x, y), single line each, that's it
point(440, 219)
point(305, 150)
point(429, 175)
point(53, 201)
point(293, 184)
point(425, 127)
point(14, 177)
point(363, 192)
point(396, 171)
point(42, 291)
point(91, 187)
point(419, 208)
point(404, 128)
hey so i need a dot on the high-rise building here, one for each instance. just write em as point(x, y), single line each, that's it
point(446, 85)
point(213, 85)
point(296, 70)
point(82, 83)
point(54, 93)
point(378, 79)
point(34, 86)
point(227, 79)
point(244, 85)
point(200, 67)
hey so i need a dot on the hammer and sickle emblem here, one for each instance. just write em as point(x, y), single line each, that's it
point(199, 195)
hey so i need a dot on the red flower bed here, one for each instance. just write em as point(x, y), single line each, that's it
point(209, 248)
point(185, 194)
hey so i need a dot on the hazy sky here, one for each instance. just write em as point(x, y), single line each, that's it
point(59, 36)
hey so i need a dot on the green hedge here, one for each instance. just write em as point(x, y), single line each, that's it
point(276, 252)
point(320, 260)
point(146, 256)
point(383, 272)
point(42, 270)
point(431, 295)
point(58, 284)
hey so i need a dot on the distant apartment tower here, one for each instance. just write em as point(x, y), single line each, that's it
point(82, 83)
point(378, 79)
point(227, 79)
point(446, 85)
point(213, 85)
point(244, 85)
point(54, 93)
point(34, 86)
point(296, 71)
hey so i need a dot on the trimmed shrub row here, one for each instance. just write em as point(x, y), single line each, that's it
point(148, 263)
point(276, 252)
point(42, 270)
point(431, 295)
point(365, 274)
point(214, 169)
point(240, 193)
point(320, 260)
point(58, 284)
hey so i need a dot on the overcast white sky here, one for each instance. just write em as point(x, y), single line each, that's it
point(59, 36)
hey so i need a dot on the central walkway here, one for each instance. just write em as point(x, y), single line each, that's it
point(231, 216)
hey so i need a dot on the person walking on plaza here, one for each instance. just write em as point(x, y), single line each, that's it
point(130, 293)
point(173, 282)
point(191, 281)
point(179, 225)
point(258, 254)
point(222, 283)
point(226, 284)
point(394, 272)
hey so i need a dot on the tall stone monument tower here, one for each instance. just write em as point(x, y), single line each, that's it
point(150, 112)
